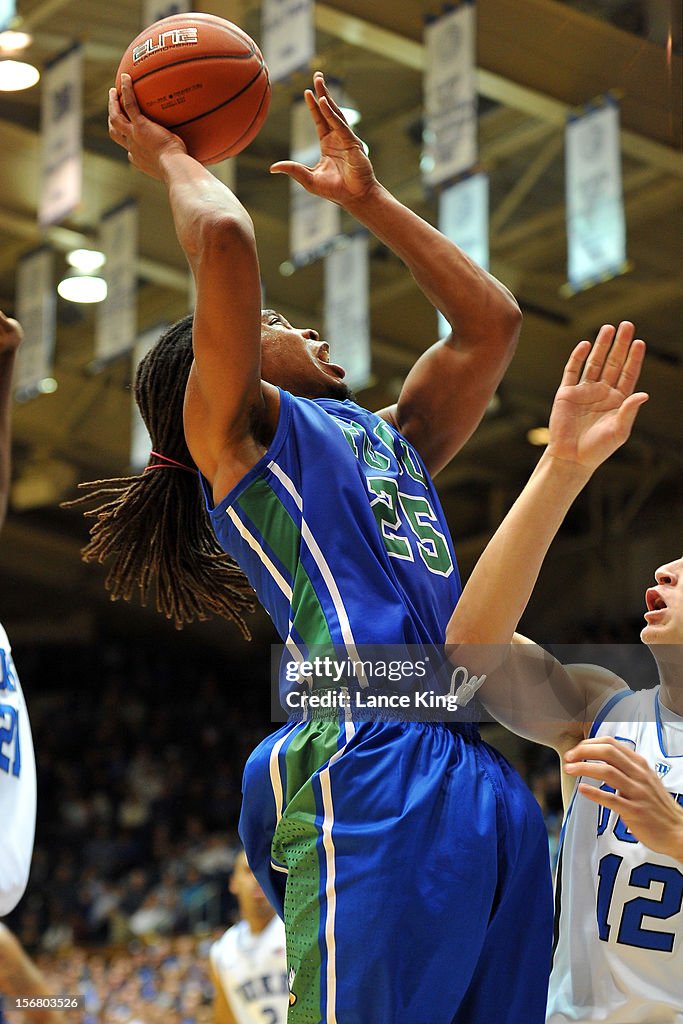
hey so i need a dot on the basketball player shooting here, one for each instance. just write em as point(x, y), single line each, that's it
point(619, 954)
point(351, 827)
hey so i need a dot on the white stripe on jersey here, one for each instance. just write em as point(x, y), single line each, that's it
point(619, 957)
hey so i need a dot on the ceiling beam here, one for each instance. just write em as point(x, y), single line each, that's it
point(393, 46)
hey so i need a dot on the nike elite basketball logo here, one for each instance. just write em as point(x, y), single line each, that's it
point(662, 768)
point(163, 41)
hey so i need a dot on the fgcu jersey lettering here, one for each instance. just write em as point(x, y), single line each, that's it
point(252, 970)
point(340, 531)
point(619, 958)
point(17, 784)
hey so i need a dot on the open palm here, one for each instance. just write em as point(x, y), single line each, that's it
point(343, 173)
point(595, 406)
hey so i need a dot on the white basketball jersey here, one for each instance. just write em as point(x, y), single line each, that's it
point(619, 916)
point(253, 972)
point(17, 784)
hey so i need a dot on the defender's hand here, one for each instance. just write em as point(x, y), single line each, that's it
point(11, 334)
point(343, 174)
point(144, 140)
point(595, 406)
point(647, 809)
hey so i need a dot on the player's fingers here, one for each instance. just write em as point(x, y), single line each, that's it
point(128, 100)
point(323, 92)
point(334, 117)
point(630, 372)
point(626, 416)
point(321, 124)
point(603, 797)
point(617, 354)
point(299, 172)
point(608, 749)
point(572, 370)
point(602, 772)
point(598, 354)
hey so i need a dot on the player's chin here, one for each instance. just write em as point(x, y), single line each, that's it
point(336, 388)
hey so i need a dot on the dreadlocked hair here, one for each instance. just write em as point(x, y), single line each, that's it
point(155, 526)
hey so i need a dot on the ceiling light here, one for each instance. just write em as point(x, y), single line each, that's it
point(16, 75)
point(11, 41)
point(538, 436)
point(76, 286)
point(86, 260)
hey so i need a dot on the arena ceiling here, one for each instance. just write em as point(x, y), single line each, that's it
point(537, 60)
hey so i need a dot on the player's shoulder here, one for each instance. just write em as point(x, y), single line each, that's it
point(224, 948)
point(623, 705)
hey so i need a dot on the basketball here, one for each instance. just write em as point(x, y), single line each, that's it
point(204, 79)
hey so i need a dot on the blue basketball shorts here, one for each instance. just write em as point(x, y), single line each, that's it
point(410, 864)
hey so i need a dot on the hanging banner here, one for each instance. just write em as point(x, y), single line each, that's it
point(36, 308)
point(596, 226)
point(450, 96)
point(314, 222)
point(288, 36)
point(347, 309)
point(61, 131)
point(464, 218)
point(140, 443)
point(8, 9)
point(155, 10)
point(116, 324)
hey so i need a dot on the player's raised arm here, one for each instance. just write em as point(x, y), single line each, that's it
point(217, 236)
point(592, 415)
point(446, 393)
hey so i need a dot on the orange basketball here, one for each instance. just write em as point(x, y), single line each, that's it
point(204, 79)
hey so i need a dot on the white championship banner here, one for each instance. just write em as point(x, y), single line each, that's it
point(116, 324)
point(313, 222)
point(155, 10)
point(596, 225)
point(464, 218)
point(61, 131)
point(140, 443)
point(287, 36)
point(36, 306)
point(347, 309)
point(450, 96)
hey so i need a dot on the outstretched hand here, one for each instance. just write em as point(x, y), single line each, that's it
point(595, 406)
point(636, 793)
point(11, 334)
point(343, 174)
point(144, 140)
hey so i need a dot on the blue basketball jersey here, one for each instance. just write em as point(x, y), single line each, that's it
point(340, 531)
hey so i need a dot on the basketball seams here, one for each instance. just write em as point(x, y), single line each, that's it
point(224, 103)
point(194, 59)
point(225, 153)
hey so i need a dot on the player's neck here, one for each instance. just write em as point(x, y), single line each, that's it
point(257, 923)
point(670, 678)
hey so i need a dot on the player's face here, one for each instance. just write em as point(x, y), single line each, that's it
point(297, 360)
point(664, 615)
point(250, 897)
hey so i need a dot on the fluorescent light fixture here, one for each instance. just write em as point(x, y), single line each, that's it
point(16, 75)
point(79, 287)
point(86, 260)
point(11, 41)
point(538, 436)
